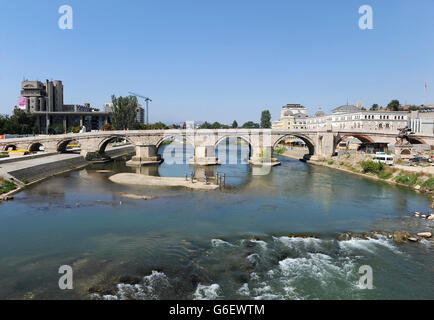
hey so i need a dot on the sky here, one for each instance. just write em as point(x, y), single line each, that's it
point(221, 60)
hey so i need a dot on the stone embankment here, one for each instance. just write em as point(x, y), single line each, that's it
point(142, 180)
point(24, 171)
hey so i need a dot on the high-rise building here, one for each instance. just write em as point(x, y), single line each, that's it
point(140, 114)
point(45, 101)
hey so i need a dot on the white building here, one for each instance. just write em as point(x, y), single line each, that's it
point(351, 117)
point(347, 117)
point(421, 122)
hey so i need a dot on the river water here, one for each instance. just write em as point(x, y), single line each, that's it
point(246, 241)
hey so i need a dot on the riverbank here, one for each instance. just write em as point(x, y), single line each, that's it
point(31, 170)
point(419, 179)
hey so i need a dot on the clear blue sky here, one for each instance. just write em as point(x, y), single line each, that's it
point(221, 60)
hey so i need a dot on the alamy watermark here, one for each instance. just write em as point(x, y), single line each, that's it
point(66, 20)
point(366, 280)
point(66, 281)
point(366, 21)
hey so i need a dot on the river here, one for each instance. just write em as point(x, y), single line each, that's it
point(245, 241)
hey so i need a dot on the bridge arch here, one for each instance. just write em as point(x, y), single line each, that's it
point(175, 137)
point(363, 138)
point(228, 156)
point(35, 146)
point(63, 144)
point(106, 140)
point(10, 147)
point(310, 145)
point(181, 150)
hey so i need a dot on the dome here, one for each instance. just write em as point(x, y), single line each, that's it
point(320, 113)
point(287, 113)
point(346, 109)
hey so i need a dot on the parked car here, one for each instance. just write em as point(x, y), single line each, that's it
point(419, 159)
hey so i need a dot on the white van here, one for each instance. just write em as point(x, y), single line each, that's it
point(384, 158)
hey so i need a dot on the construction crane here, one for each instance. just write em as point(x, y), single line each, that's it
point(147, 100)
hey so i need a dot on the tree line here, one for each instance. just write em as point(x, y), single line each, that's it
point(395, 105)
point(20, 122)
point(124, 118)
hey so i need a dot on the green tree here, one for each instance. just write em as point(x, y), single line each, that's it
point(205, 125)
point(124, 112)
point(3, 121)
point(266, 119)
point(374, 107)
point(394, 105)
point(250, 125)
point(216, 125)
point(235, 124)
point(20, 122)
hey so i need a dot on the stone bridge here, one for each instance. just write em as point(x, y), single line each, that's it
point(261, 142)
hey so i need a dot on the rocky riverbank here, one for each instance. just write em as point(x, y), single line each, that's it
point(352, 163)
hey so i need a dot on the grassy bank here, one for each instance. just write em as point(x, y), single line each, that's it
point(364, 166)
point(418, 181)
point(6, 186)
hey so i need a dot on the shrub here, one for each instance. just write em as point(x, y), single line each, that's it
point(372, 167)
point(385, 174)
point(429, 184)
point(408, 179)
point(279, 150)
point(330, 162)
point(107, 127)
point(74, 129)
point(7, 186)
point(353, 169)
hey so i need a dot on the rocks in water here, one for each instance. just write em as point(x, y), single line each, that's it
point(136, 197)
point(425, 234)
point(302, 236)
point(400, 236)
point(6, 198)
point(424, 216)
point(413, 239)
point(360, 236)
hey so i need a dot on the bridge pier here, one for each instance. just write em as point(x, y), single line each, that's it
point(204, 156)
point(325, 145)
point(263, 155)
point(145, 154)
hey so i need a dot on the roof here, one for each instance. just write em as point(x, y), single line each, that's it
point(301, 115)
point(346, 109)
